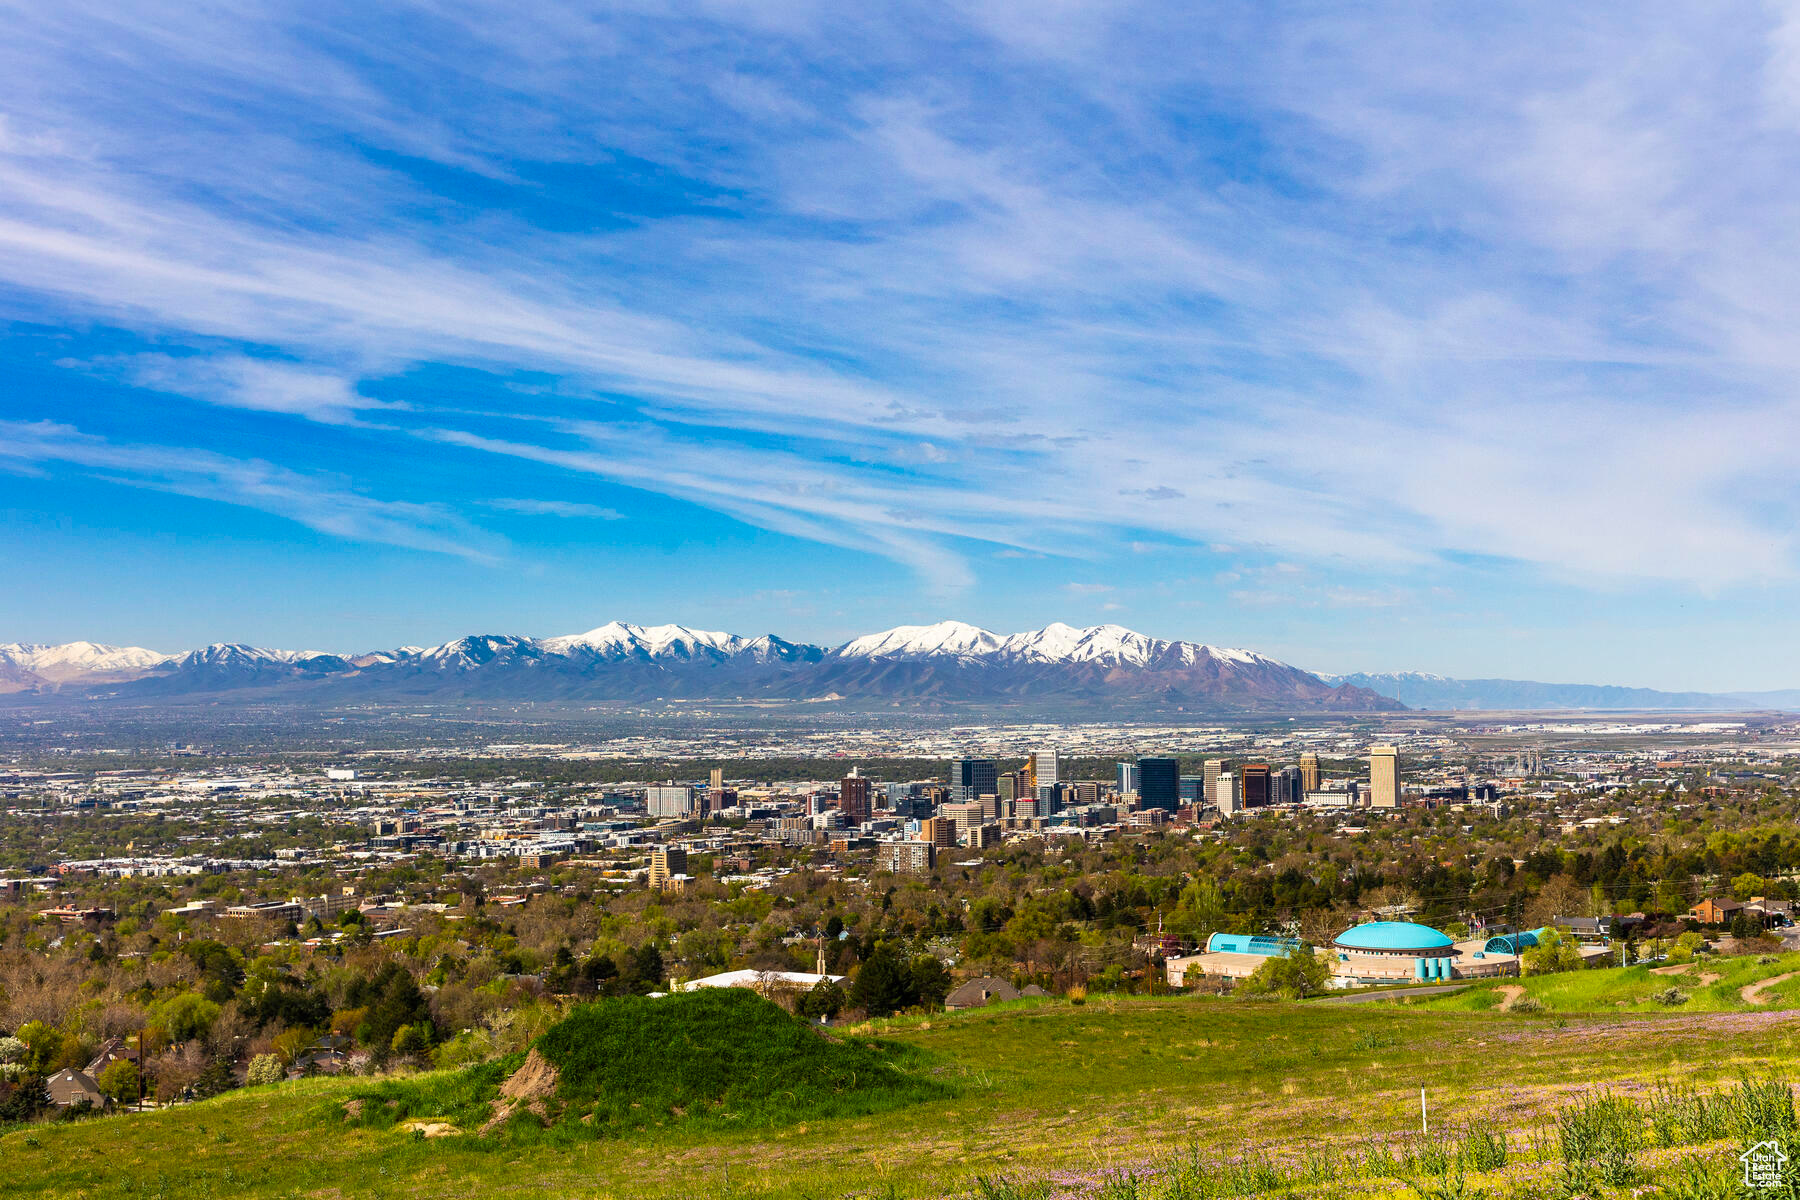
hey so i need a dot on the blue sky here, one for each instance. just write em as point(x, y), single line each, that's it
point(1455, 339)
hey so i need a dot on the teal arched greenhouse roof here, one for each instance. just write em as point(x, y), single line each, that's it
point(1513, 943)
point(1393, 935)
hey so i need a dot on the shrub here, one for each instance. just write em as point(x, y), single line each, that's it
point(1606, 1129)
point(1670, 997)
point(1482, 1149)
point(1761, 1109)
point(1679, 1115)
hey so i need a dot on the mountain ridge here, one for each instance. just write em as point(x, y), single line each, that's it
point(1439, 693)
point(949, 661)
point(945, 661)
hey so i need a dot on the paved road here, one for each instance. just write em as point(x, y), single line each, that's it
point(1369, 997)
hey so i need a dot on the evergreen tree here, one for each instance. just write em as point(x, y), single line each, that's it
point(883, 984)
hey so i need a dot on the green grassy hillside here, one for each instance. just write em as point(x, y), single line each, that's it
point(1741, 984)
point(720, 1057)
point(1126, 1100)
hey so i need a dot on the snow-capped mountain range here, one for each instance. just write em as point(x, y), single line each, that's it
point(949, 661)
point(38, 665)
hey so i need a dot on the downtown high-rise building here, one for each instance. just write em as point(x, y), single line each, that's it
point(853, 798)
point(1309, 772)
point(1128, 778)
point(1384, 777)
point(1210, 770)
point(1225, 796)
point(1159, 783)
point(973, 778)
point(1255, 784)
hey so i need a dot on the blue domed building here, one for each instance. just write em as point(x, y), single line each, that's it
point(1387, 951)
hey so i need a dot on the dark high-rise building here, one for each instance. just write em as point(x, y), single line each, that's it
point(1255, 785)
point(973, 778)
point(1159, 783)
point(853, 799)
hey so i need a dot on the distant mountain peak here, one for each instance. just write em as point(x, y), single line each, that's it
point(954, 638)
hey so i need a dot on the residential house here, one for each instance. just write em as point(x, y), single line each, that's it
point(1715, 912)
point(979, 992)
point(69, 1086)
point(110, 1052)
point(1773, 912)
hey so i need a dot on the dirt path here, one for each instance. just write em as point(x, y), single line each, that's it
point(1678, 969)
point(1752, 993)
point(1510, 994)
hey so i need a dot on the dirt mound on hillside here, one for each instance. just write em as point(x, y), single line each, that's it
point(527, 1088)
point(534, 1080)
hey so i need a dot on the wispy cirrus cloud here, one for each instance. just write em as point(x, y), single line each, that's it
point(1367, 289)
point(555, 508)
point(319, 502)
point(239, 381)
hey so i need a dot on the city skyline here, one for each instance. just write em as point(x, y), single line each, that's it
point(1369, 344)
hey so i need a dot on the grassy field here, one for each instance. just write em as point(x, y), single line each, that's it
point(1118, 1099)
point(1712, 985)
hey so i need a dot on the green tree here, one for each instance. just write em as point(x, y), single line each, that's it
point(184, 1016)
point(825, 999)
point(120, 1080)
point(1199, 912)
point(264, 1068)
point(410, 1041)
point(927, 981)
point(1748, 885)
point(883, 985)
point(1552, 953)
point(1687, 946)
point(1295, 975)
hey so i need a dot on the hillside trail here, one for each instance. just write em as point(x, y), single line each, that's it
point(1752, 993)
point(1510, 994)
